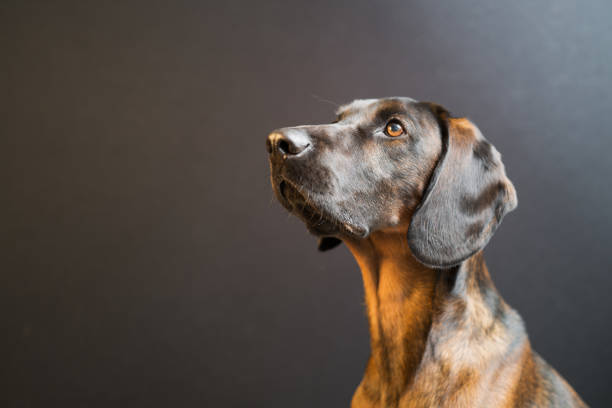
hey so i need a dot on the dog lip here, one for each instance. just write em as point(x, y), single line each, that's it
point(282, 185)
point(287, 188)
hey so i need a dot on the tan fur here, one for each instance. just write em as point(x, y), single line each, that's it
point(432, 348)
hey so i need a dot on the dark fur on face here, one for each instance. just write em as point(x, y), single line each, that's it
point(354, 178)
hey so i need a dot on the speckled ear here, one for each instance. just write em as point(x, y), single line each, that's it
point(467, 196)
point(327, 243)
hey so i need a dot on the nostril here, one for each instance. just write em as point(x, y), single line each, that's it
point(284, 146)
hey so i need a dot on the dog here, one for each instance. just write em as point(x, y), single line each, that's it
point(416, 194)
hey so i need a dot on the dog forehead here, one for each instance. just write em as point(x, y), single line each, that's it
point(356, 105)
point(367, 107)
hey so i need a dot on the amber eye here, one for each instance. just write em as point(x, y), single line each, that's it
point(394, 129)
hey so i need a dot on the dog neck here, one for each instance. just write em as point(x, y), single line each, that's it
point(407, 302)
point(399, 293)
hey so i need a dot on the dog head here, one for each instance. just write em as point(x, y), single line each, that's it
point(394, 164)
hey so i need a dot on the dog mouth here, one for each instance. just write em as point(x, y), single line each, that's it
point(318, 220)
point(298, 204)
point(297, 201)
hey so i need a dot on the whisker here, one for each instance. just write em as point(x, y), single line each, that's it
point(317, 97)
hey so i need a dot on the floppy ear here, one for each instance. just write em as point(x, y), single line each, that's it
point(327, 243)
point(467, 196)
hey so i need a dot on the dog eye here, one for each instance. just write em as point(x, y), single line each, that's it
point(394, 129)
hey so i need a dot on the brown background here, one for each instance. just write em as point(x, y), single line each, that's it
point(144, 260)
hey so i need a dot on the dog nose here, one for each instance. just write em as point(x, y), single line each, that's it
point(287, 142)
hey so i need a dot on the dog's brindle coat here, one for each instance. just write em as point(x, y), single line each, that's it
point(416, 210)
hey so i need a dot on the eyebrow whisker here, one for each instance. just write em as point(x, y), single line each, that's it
point(321, 99)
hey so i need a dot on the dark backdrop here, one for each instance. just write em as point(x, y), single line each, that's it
point(144, 259)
